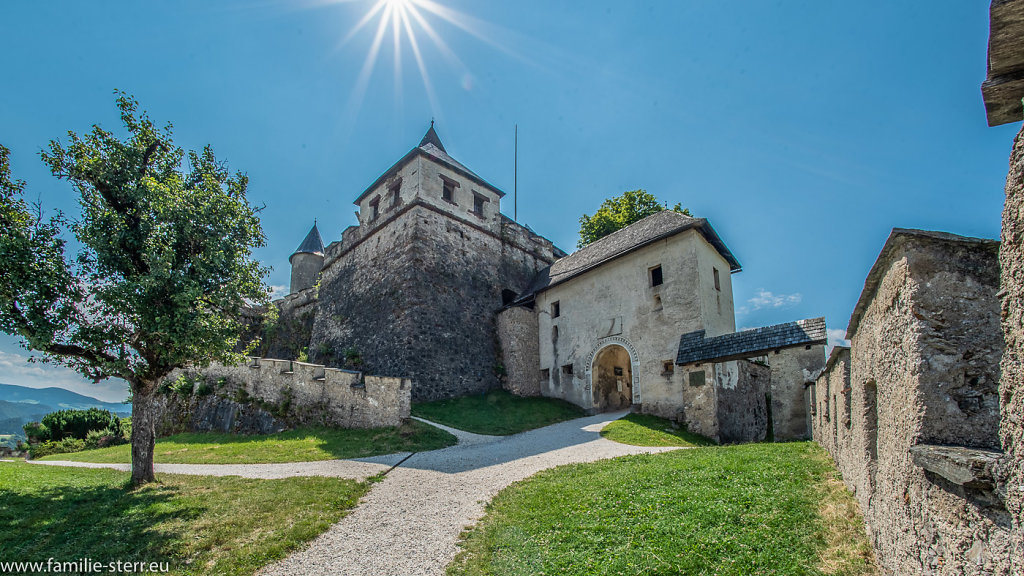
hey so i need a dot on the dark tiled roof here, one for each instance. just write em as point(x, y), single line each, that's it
point(621, 242)
point(431, 147)
point(896, 241)
point(313, 244)
point(694, 347)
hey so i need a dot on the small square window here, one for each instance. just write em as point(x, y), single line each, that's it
point(556, 309)
point(656, 277)
point(697, 378)
point(567, 369)
point(618, 370)
point(545, 374)
point(448, 187)
point(718, 283)
point(668, 367)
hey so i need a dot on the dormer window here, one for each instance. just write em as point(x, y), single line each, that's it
point(478, 204)
point(448, 187)
point(395, 191)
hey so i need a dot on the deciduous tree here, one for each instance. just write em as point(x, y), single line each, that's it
point(619, 212)
point(162, 263)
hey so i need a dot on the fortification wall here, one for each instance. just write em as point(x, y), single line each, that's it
point(1011, 386)
point(791, 369)
point(742, 407)
point(923, 368)
point(418, 298)
point(268, 395)
point(520, 350)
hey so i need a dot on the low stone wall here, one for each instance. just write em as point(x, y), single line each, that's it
point(922, 372)
point(724, 401)
point(269, 395)
point(520, 350)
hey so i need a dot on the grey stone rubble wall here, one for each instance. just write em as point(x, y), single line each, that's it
point(928, 344)
point(1011, 386)
point(520, 350)
point(791, 369)
point(268, 395)
point(742, 407)
point(417, 298)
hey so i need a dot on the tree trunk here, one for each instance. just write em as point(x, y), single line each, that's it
point(143, 432)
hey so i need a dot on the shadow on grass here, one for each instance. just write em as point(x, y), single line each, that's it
point(104, 523)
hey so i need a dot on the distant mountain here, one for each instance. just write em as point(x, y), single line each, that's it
point(15, 414)
point(57, 399)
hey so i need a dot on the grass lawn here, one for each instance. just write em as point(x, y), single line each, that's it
point(197, 524)
point(497, 413)
point(291, 446)
point(646, 430)
point(749, 509)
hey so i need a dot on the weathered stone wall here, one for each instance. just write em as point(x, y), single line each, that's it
point(268, 395)
point(828, 392)
point(923, 367)
point(417, 298)
point(792, 369)
point(742, 407)
point(1011, 386)
point(520, 352)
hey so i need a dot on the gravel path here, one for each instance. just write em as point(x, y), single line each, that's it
point(409, 523)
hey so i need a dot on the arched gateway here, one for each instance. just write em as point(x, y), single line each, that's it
point(611, 375)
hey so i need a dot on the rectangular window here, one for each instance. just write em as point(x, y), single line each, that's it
point(374, 208)
point(697, 378)
point(556, 309)
point(718, 283)
point(668, 367)
point(448, 187)
point(478, 204)
point(545, 374)
point(618, 370)
point(395, 190)
point(656, 277)
point(567, 369)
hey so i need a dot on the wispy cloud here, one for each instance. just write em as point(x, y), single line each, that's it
point(16, 369)
point(765, 299)
point(278, 291)
point(836, 337)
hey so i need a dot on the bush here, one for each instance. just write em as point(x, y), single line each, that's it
point(126, 428)
point(103, 438)
point(78, 423)
point(36, 432)
point(60, 447)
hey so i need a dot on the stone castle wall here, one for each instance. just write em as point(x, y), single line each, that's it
point(922, 371)
point(268, 395)
point(418, 297)
point(520, 350)
point(1011, 386)
point(791, 369)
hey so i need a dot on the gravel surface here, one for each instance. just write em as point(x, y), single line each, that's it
point(410, 522)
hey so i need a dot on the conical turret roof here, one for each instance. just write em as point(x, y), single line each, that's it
point(313, 244)
point(431, 138)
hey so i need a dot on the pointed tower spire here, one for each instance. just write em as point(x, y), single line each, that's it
point(431, 138)
point(313, 244)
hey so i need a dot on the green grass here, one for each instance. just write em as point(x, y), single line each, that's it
point(291, 446)
point(497, 413)
point(197, 524)
point(750, 509)
point(647, 430)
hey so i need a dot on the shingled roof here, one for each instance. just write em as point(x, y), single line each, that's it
point(431, 147)
point(694, 347)
point(624, 241)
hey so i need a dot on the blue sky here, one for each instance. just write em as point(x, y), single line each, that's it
point(804, 131)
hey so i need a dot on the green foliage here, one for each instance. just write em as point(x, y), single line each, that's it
point(227, 526)
point(103, 438)
point(737, 510)
point(619, 212)
point(647, 430)
point(164, 260)
point(304, 445)
point(36, 431)
point(51, 447)
point(126, 428)
point(204, 389)
point(497, 412)
point(303, 355)
point(353, 359)
point(78, 423)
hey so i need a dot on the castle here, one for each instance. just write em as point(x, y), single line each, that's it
point(436, 285)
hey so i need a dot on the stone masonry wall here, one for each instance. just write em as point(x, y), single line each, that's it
point(922, 371)
point(1011, 386)
point(520, 350)
point(742, 408)
point(792, 368)
point(269, 395)
point(417, 298)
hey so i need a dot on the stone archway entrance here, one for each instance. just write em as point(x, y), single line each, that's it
point(612, 379)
